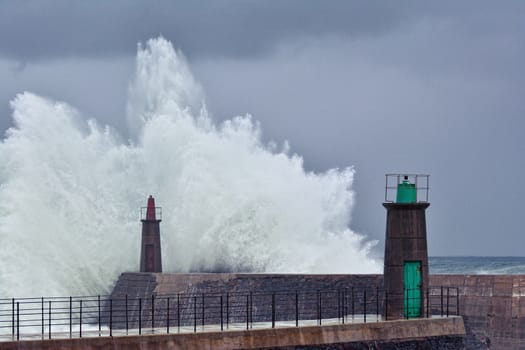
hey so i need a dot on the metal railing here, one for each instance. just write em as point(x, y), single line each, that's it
point(420, 182)
point(83, 316)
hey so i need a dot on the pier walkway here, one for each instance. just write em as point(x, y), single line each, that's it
point(442, 331)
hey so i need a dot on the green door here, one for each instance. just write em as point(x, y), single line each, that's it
point(412, 278)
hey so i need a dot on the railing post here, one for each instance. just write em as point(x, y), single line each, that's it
point(247, 308)
point(448, 290)
point(406, 303)
point(140, 316)
point(441, 301)
point(273, 309)
point(178, 312)
point(80, 319)
point(320, 308)
point(202, 311)
point(317, 306)
point(364, 305)
point(17, 320)
point(353, 303)
point(13, 318)
point(194, 314)
point(168, 315)
point(227, 310)
point(99, 323)
point(49, 319)
point(338, 305)
point(251, 309)
point(42, 317)
point(377, 304)
point(110, 317)
point(386, 305)
point(70, 317)
point(127, 318)
point(457, 301)
point(428, 301)
point(343, 300)
point(152, 313)
point(296, 309)
point(222, 321)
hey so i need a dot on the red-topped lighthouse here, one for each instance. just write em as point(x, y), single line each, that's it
point(150, 256)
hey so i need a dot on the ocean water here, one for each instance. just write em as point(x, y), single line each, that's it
point(477, 265)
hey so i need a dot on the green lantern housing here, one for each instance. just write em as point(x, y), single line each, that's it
point(406, 192)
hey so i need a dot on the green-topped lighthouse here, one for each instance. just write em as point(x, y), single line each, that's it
point(406, 254)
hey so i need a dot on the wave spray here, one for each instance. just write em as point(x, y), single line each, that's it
point(70, 190)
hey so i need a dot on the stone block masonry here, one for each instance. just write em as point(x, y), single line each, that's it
point(192, 287)
point(492, 306)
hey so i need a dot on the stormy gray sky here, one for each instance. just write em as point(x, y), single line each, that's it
point(406, 86)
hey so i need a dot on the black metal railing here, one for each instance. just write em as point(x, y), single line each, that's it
point(82, 316)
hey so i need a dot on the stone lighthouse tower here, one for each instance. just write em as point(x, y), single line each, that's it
point(150, 256)
point(406, 254)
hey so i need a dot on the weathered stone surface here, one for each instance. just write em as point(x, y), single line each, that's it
point(190, 288)
point(493, 307)
point(406, 240)
point(403, 334)
point(434, 343)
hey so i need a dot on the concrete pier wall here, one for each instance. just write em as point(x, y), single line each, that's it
point(445, 334)
point(137, 285)
point(493, 306)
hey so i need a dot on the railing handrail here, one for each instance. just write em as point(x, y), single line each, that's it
point(195, 309)
point(107, 296)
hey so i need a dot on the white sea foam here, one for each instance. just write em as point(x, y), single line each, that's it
point(70, 190)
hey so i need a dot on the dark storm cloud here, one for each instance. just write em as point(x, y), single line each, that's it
point(41, 29)
point(48, 29)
